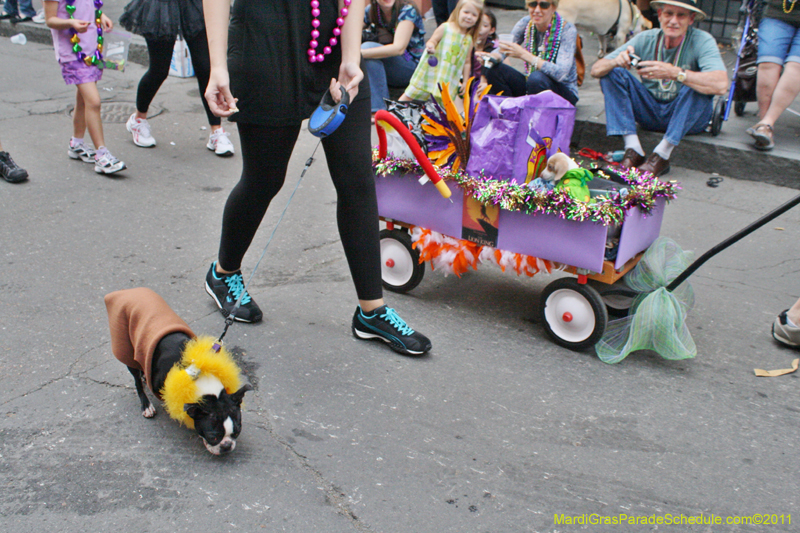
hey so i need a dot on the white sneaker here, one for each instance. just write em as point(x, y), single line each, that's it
point(39, 17)
point(108, 164)
point(80, 151)
point(218, 142)
point(140, 129)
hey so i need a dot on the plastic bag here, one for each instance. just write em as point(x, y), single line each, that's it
point(116, 44)
point(511, 136)
point(181, 64)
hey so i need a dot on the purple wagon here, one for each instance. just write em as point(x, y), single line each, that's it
point(573, 311)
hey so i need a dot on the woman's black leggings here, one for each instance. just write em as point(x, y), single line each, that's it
point(160, 53)
point(266, 151)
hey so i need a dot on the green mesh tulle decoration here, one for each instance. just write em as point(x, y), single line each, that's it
point(657, 318)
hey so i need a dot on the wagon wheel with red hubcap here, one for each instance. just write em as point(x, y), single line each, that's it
point(573, 315)
point(401, 270)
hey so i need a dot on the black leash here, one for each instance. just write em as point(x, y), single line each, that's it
point(731, 240)
point(614, 27)
point(230, 318)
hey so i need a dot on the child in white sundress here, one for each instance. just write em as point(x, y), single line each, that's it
point(446, 53)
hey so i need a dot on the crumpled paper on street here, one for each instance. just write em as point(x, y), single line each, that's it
point(775, 373)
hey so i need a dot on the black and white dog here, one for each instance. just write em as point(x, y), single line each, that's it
point(197, 380)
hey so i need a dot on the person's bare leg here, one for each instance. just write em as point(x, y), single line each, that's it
point(79, 116)
point(794, 313)
point(786, 91)
point(94, 123)
point(369, 305)
point(766, 81)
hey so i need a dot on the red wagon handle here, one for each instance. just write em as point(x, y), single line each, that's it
point(422, 159)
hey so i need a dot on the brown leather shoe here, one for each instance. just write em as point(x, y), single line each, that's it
point(655, 164)
point(631, 159)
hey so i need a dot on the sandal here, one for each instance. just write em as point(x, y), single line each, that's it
point(762, 133)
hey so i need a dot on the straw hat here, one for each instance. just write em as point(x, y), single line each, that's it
point(691, 5)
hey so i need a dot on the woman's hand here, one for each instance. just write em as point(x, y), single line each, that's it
point(218, 94)
point(512, 49)
point(520, 52)
point(350, 75)
point(106, 23)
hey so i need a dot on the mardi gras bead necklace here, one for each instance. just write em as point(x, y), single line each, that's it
point(313, 56)
point(383, 24)
point(551, 42)
point(96, 58)
point(790, 9)
point(669, 85)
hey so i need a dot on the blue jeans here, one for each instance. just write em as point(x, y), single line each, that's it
point(512, 82)
point(628, 102)
point(386, 72)
point(25, 8)
point(778, 42)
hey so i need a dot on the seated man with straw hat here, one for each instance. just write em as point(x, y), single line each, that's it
point(681, 70)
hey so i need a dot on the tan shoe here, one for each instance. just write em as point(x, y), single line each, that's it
point(656, 165)
point(784, 332)
point(762, 133)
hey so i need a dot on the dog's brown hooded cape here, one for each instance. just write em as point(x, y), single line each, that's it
point(138, 319)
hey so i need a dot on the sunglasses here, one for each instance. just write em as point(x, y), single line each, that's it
point(542, 5)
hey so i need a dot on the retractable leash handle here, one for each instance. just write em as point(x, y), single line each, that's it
point(329, 115)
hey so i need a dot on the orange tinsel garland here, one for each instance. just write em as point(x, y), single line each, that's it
point(456, 256)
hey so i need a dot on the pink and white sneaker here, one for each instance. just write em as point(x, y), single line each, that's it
point(140, 129)
point(219, 143)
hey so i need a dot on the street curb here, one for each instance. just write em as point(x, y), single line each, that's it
point(693, 153)
point(39, 33)
point(741, 163)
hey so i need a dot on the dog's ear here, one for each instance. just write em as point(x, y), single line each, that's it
point(194, 410)
point(237, 396)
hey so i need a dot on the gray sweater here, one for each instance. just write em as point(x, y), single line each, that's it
point(564, 69)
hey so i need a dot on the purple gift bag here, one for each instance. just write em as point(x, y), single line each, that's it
point(511, 138)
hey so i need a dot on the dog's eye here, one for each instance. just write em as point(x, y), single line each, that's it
point(213, 438)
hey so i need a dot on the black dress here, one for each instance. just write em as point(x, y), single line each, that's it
point(162, 20)
point(268, 63)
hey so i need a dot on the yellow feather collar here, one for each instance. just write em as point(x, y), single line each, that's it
point(180, 387)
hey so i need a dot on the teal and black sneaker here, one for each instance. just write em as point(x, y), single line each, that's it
point(385, 324)
point(225, 289)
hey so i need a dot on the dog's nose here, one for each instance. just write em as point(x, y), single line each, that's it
point(227, 446)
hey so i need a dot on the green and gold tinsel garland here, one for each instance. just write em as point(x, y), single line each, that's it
point(643, 190)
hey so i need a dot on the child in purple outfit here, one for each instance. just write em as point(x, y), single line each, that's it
point(77, 29)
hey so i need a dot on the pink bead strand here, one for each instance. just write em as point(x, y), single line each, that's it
point(313, 56)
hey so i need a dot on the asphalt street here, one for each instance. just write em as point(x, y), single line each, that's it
point(496, 430)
